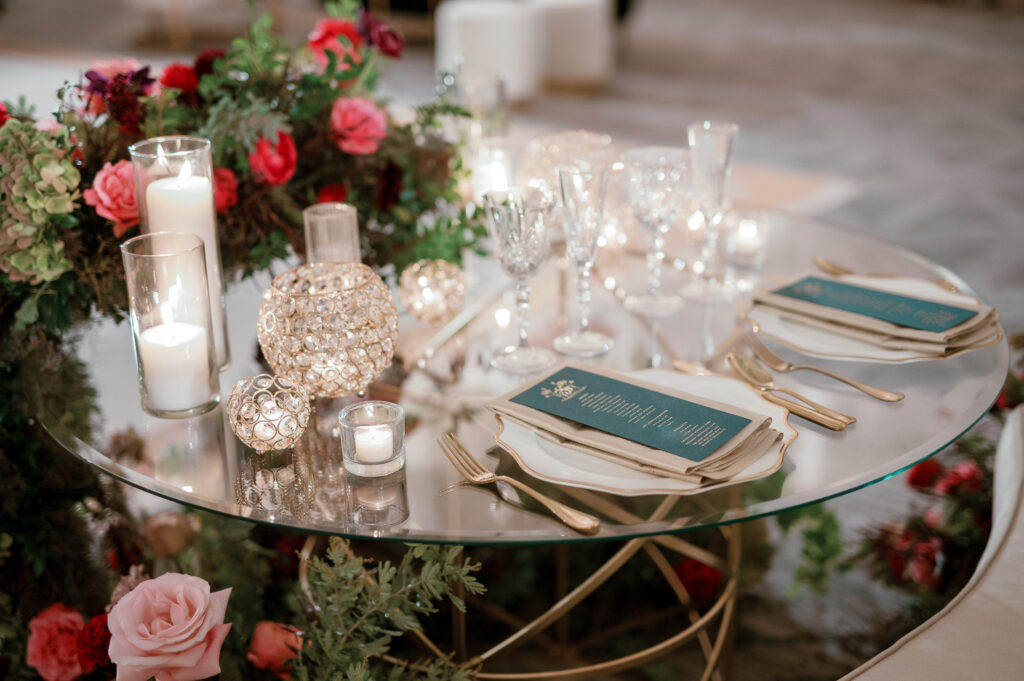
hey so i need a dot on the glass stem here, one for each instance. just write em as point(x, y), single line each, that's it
point(583, 296)
point(655, 257)
point(709, 254)
point(522, 305)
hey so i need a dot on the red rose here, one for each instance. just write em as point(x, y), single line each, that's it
point(272, 646)
point(357, 125)
point(700, 581)
point(964, 476)
point(3, 114)
point(113, 196)
point(53, 643)
point(204, 62)
point(924, 474)
point(180, 76)
point(225, 188)
point(274, 163)
point(389, 41)
point(332, 192)
point(325, 38)
point(923, 564)
point(93, 641)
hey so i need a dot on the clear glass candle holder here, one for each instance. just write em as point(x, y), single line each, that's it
point(372, 438)
point(174, 191)
point(378, 503)
point(169, 311)
point(332, 233)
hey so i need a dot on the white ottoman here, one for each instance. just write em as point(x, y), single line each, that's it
point(578, 45)
point(481, 38)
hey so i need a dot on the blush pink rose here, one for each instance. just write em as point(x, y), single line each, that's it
point(113, 196)
point(357, 125)
point(272, 646)
point(109, 68)
point(53, 643)
point(170, 627)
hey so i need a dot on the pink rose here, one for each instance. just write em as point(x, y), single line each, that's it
point(108, 68)
point(357, 125)
point(272, 646)
point(53, 643)
point(225, 188)
point(168, 533)
point(170, 627)
point(964, 476)
point(274, 163)
point(113, 196)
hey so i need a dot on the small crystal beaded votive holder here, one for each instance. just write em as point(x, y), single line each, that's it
point(432, 291)
point(372, 438)
point(268, 412)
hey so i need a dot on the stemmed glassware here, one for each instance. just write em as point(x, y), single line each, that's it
point(583, 187)
point(519, 221)
point(656, 187)
point(711, 148)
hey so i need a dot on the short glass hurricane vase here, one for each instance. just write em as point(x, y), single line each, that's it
point(711, 152)
point(583, 186)
point(332, 232)
point(656, 186)
point(518, 220)
point(329, 327)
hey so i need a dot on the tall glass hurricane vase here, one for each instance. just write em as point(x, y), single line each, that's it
point(711, 150)
point(518, 220)
point(656, 186)
point(583, 189)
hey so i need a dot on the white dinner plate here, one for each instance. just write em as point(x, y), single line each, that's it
point(818, 342)
point(550, 461)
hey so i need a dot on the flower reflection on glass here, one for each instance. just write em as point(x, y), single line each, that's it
point(656, 187)
point(518, 220)
point(711, 149)
point(583, 188)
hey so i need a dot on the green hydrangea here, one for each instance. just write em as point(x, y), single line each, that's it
point(38, 181)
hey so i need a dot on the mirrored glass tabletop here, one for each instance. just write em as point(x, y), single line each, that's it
point(444, 381)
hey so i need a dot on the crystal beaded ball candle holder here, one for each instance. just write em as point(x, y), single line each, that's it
point(372, 438)
point(268, 412)
point(278, 484)
point(329, 327)
point(432, 291)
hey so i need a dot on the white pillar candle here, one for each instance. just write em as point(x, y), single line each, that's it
point(175, 366)
point(374, 444)
point(185, 204)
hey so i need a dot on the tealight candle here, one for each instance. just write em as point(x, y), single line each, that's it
point(372, 438)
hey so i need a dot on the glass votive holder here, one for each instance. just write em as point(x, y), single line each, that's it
point(174, 191)
point(495, 165)
point(744, 241)
point(332, 233)
point(169, 312)
point(378, 503)
point(372, 438)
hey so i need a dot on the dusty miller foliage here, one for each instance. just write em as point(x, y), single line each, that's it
point(359, 609)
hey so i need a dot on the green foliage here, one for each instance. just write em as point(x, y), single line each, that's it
point(822, 545)
point(359, 611)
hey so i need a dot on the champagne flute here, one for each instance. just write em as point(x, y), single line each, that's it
point(656, 187)
point(518, 220)
point(583, 188)
point(711, 149)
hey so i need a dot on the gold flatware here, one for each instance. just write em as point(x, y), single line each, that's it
point(768, 356)
point(836, 270)
point(753, 373)
point(474, 472)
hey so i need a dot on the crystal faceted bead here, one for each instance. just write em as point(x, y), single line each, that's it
point(330, 327)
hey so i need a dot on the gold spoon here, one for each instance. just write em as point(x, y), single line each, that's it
point(752, 372)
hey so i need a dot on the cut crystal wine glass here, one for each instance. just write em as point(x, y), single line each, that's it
point(518, 220)
point(656, 188)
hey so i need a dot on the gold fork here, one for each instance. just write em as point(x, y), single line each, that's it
point(474, 472)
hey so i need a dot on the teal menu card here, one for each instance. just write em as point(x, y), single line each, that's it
point(914, 313)
point(687, 429)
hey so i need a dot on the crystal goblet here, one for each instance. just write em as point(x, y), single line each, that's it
point(583, 187)
point(518, 220)
point(656, 188)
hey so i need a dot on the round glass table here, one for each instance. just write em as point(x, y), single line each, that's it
point(443, 379)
